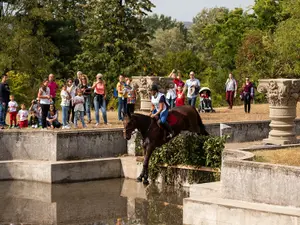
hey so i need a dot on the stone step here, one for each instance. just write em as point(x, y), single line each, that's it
point(197, 191)
point(61, 171)
point(213, 210)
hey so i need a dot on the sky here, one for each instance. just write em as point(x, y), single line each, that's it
point(185, 10)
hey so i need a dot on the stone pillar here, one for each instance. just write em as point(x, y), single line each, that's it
point(282, 95)
point(143, 85)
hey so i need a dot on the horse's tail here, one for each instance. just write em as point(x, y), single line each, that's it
point(200, 124)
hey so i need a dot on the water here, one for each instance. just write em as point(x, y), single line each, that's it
point(107, 202)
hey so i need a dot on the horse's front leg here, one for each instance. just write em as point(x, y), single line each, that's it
point(144, 145)
point(149, 151)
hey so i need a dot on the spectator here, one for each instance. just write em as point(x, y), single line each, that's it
point(23, 117)
point(36, 107)
point(176, 79)
point(193, 86)
point(65, 104)
point(122, 97)
point(171, 95)
point(4, 99)
point(52, 118)
point(44, 97)
point(231, 88)
point(99, 87)
point(247, 95)
point(131, 98)
point(12, 108)
point(71, 89)
point(78, 79)
point(87, 91)
point(53, 87)
point(78, 103)
point(180, 96)
point(33, 120)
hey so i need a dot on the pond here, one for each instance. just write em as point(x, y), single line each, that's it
point(106, 202)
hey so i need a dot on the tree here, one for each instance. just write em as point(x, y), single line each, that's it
point(156, 22)
point(114, 38)
point(166, 41)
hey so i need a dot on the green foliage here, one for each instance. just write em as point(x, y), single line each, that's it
point(189, 149)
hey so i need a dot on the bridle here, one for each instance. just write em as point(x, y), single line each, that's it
point(131, 130)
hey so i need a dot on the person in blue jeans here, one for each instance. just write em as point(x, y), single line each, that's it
point(87, 91)
point(2, 109)
point(160, 108)
point(100, 99)
point(122, 97)
point(192, 86)
point(65, 104)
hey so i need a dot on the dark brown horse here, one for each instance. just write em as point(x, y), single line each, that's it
point(183, 118)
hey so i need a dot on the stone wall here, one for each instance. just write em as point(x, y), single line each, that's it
point(260, 182)
point(246, 131)
point(61, 145)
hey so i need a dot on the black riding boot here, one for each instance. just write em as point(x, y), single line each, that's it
point(169, 129)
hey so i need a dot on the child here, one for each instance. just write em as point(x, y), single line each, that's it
point(204, 95)
point(78, 102)
point(23, 117)
point(12, 109)
point(180, 96)
point(65, 103)
point(171, 95)
point(33, 120)
point(52, 120)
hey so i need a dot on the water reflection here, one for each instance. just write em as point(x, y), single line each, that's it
point(109, 202)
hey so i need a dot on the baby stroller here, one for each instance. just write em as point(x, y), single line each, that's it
point(205, 101)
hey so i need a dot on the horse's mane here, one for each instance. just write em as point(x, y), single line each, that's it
point(142, 122)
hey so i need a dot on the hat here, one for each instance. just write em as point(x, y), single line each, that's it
point(99, 75)
point(154, 87)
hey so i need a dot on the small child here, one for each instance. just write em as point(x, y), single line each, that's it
point(52, 118)
point(171, 95)
point(180, 96)
point(78, 102)
point(33, 120)
point(12, 109)
point(23, 117)
point(204, 95)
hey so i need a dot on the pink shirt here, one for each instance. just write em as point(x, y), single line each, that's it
point(100, 89)
point(53, 87)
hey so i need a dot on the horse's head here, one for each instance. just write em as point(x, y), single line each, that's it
point(130, 125)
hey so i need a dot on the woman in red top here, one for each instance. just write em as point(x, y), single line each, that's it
point(180, 99)
point(176, 79)
point(100, 99)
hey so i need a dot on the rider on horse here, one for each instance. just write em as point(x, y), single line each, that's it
point(160, 108)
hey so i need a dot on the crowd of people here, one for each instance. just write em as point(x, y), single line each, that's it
point(77, 96)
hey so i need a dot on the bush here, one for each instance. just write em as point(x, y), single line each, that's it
point(189, 150)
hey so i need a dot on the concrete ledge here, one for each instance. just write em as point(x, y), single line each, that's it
point(259, 182)
point(213, 210)
point(58, 172)
point(62, 145)
point(247, 130)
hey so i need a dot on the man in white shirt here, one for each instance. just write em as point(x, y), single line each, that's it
point(231, 89)
point(193, 86)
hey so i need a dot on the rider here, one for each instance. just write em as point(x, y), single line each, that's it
point(160, 108)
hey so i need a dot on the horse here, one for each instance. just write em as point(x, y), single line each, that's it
point(182, 118)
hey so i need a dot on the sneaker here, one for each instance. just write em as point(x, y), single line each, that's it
point(89, 121)
point(107, 124)
point(97, 124)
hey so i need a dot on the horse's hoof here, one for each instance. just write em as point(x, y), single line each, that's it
point(145, 182)
point(139, 179)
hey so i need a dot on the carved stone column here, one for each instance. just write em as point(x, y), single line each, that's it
point(143, 85)
point(282, 95)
